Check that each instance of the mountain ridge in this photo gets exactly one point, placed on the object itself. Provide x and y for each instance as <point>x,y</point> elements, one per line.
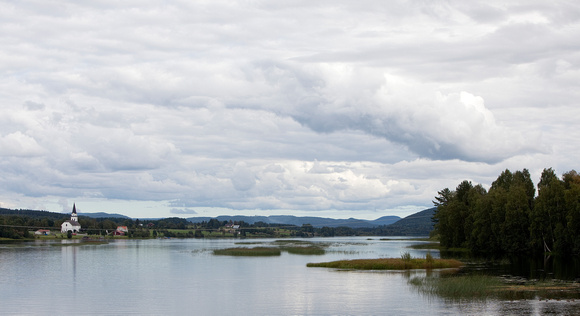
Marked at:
<point>301,220</point>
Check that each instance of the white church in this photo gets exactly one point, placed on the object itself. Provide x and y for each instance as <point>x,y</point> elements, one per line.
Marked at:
<point>72,224</point>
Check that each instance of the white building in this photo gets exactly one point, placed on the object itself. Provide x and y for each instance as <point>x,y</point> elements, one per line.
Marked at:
<point>72,224</point>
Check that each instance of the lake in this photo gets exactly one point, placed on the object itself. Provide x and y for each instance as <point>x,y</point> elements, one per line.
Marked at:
<point>183,276</point>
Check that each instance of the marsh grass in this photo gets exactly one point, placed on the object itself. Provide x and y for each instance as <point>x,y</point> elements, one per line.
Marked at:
<point>407,260</point>
<point>429,260</point>
<point>457,287</point>
<point>406,239</point>
<point>78,244</point>
<point>389,264</point>
<point>308,250</point>
<point>430,245</point>
<point>482,287</point>
<point>292,241</point>
<point>243,251</point>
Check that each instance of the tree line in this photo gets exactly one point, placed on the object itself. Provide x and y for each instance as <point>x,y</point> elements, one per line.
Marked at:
<point>510,218</point>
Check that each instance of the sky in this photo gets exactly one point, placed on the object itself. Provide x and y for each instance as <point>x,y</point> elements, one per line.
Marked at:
<point>310,108</point>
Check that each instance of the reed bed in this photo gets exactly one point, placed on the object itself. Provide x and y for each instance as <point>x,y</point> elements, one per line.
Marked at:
<point>430,245</point>
<point>292,241</point>
<point>478,286</point>
<point>244,251</point>
<point>308,250</point>
<point>403,263</point>
<point>456,287</point>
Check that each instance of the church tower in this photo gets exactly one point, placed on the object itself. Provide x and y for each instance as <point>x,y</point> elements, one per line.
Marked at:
<point>73,216</point>
<point>72,224</point>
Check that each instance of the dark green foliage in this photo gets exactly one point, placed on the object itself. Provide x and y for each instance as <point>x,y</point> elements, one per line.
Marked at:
<point>509,218</point>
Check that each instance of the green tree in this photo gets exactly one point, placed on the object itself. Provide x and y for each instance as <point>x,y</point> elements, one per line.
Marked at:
<point>572,197</point>
<point>549,213</point>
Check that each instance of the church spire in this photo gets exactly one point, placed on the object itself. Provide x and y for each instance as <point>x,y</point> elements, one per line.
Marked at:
<point>73,216</point>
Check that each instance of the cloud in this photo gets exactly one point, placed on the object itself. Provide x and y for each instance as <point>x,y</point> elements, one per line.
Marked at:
<point>183,211</point>
<point>33,106</point>
<point>19,145</point>
<point>333,105</point>
<point>431,124</point>
<point>243,178</point>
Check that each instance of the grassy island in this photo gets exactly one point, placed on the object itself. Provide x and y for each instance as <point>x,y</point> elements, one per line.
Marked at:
<point>308,250</point>
<point>390,264</point>
<point>244,251</point>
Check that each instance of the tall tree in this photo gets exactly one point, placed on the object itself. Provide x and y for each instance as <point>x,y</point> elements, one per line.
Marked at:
<point>549,213</point>
<point>572,197</point>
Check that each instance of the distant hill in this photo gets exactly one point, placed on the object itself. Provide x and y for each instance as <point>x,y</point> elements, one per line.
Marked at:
<point>301,220</point>
<point>386,220</point>
<point>34,213</point>
<point>418,224</point>
<point>104,215</point>
<point>55,215</point>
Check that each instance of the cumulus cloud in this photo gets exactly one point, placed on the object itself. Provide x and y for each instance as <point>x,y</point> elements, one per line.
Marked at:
<point>18,144</point>
<point>333,105</point>
<point>183,211</point>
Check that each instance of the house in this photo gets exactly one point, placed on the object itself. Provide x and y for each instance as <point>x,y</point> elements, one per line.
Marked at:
<point>44,232</point>
<point>72,224</point>
<point>121,230</point>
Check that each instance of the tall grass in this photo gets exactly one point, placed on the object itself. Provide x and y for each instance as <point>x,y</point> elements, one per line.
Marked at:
<point>407,260</point>
<point>456,287</point>
<point>243,251</point>
<point>309,250</point>
<point>429,260</point>
<point>388,264</point>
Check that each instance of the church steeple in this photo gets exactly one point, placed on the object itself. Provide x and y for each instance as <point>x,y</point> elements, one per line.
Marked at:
<point>73,216</point>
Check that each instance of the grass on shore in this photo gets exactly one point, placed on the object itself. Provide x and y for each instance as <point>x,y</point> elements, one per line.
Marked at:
<point>244,251</point>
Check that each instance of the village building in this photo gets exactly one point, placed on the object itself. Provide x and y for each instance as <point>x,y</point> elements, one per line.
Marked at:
<point>44,232</point>
<point>72,224</point>
<point>121,231</point>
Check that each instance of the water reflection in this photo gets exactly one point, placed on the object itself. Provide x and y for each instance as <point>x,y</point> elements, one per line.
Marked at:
<point>166,277</point>
<point>69,262</point>
<point>535,268</point>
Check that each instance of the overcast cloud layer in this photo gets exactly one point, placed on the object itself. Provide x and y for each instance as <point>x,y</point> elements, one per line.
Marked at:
<point>328,108</point>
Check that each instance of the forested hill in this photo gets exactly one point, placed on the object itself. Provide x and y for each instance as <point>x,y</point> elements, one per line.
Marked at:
<point>34,214</point>
<point>56,216</point>
<point>301,220</point>
<point>418,224</point>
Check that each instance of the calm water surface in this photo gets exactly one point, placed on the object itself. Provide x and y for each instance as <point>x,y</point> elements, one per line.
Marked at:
<point>182,276</point>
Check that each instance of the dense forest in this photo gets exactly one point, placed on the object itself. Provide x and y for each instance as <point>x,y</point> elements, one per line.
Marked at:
<point>510,217</point>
